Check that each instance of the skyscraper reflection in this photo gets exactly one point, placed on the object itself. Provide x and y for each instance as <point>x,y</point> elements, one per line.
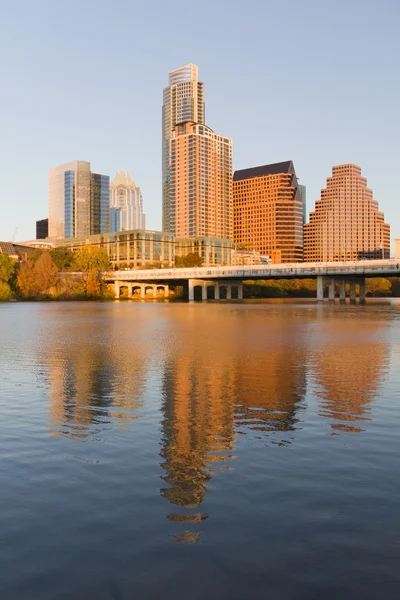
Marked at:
<point>348,369</point>
<point>93,382</point>
<point>214,387</point>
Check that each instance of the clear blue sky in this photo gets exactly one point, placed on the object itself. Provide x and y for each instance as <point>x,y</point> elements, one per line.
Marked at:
<point>314,81</point>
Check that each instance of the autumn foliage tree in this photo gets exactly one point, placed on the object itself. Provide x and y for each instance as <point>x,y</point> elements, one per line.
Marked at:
<point>37,279</point>
<point>26,283</point>
<point>190,260</point>
<point>45,272</point>
<point>7,269</point>
<point>88,258</point>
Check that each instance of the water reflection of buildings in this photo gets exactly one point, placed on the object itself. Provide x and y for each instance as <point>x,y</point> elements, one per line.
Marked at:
<point>198,426</point>
<point>93,383</point>
<point>269,389</point>
<point>348,370</point>
<point>210,391</point>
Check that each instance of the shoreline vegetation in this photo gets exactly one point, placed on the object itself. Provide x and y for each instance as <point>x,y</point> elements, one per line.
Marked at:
<point>60,274</point>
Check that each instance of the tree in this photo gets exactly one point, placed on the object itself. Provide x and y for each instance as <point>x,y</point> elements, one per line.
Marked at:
<point>93,284</point>
<point>34,256</point>
<point>62,257</point>
<point>87,258</point>
<point>26,281</point>
<point>45,272</point>
<point>5,291</point>
<point>378,287</point>
<point>70,286</point>
<point>190,260</point>
<point>7,267</point>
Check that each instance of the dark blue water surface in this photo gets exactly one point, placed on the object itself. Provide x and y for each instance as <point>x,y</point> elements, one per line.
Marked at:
<point>161,450</point>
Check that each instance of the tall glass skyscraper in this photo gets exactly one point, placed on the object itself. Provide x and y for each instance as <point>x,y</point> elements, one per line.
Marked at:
<point>197,162</point>
<point>78,201</point>
<point>99,203</point>
<point>126,204</point>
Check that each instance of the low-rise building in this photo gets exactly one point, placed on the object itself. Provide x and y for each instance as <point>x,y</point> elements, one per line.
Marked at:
<point>141,248</point>
<point>249,257</point>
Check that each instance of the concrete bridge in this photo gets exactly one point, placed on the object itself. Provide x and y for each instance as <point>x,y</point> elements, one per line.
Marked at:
<point>230,278</point>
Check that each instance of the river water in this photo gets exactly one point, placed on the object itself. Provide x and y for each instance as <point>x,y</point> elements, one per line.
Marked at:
<point>227,451</point>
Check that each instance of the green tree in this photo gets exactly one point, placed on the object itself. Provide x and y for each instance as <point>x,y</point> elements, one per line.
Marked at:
<point>87,258</point>
<point>7,267</point>
<point>62,257</point>
<point>70,286</point>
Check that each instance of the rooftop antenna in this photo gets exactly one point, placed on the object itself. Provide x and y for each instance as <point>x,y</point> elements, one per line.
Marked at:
<point>14,234</point>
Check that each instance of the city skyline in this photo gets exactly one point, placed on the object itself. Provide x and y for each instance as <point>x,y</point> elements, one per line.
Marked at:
<point>316,129</point>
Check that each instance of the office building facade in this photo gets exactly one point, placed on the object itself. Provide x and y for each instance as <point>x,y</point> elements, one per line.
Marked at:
<point>346,223</point>
<point>268,212</point>
<point>143,248</point>
<point>42,229</point>
<point>78,200</point>
<point>126,204</point>
<point>197,163</point>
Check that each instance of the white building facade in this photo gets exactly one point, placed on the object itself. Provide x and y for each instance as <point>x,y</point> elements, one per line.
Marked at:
<point>126,204</point>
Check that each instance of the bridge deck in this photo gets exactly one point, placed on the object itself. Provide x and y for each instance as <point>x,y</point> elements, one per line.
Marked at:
<point>367,268</point>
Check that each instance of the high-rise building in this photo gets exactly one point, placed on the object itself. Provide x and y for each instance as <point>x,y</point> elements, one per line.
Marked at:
<point>42,229</point>
<point>303,195</point>
<point>346,223</point>
<point>78,201</point>
<point>197,163</point>
<point>268,211</point>
<point>126,204</point>
<point>99,203</point>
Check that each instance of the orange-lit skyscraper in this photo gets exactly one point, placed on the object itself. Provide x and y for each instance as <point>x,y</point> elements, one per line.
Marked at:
<point>268,211</point>
<point>197,163</point>
<point>346,223</point>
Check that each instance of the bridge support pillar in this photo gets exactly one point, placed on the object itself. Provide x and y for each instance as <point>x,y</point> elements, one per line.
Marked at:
<point>143,292</point>
<point>332,291</point>
<point>116,287</point>
<point>362,291</point>
<point>353,292</point>
<point>191,289</point>
<point>343,292</point>
<point>130,285</point>
<point>166,291</point>
<point>216,290</point>
<point>228,291</point>
<point>320,288</point>
<point>204,292</point>
<point>240,291</point>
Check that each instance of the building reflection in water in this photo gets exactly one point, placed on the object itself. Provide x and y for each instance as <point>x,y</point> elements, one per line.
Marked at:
<point>222,372</point>
<point>214,387</point>
<point>348,369</point>
<point>94,382</point>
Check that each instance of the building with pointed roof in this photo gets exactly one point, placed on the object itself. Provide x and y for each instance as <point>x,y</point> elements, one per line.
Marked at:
<point>126,204</point>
